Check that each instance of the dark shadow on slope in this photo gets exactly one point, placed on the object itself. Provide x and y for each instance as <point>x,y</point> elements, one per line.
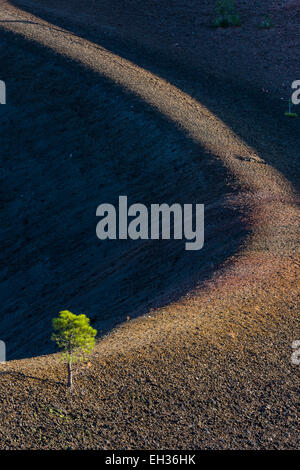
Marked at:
<point>71,140</point>
<point>29,22</point>
<point>21,376</point>
<point>256,117</point>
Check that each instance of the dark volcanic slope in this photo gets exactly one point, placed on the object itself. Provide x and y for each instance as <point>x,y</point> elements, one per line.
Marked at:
<point>92,142</point>
<point>71,141</point>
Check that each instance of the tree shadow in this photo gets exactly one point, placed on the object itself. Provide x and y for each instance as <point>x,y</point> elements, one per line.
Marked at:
<point>30,22</point>
<point>20,375</point>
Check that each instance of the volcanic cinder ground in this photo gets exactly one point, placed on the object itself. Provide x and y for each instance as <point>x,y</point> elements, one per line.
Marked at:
<point>145,99</point>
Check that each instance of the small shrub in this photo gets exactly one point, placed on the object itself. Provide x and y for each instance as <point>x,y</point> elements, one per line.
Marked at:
<point>226,14</point>
<point>58,413</point>
<point>290,113</point>
<point>266,23</point>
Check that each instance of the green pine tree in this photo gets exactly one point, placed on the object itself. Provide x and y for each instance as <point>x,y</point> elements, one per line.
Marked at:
<point>75,337</point>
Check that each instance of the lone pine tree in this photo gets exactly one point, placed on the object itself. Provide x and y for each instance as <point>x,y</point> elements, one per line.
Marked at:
<point>75,337</point>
